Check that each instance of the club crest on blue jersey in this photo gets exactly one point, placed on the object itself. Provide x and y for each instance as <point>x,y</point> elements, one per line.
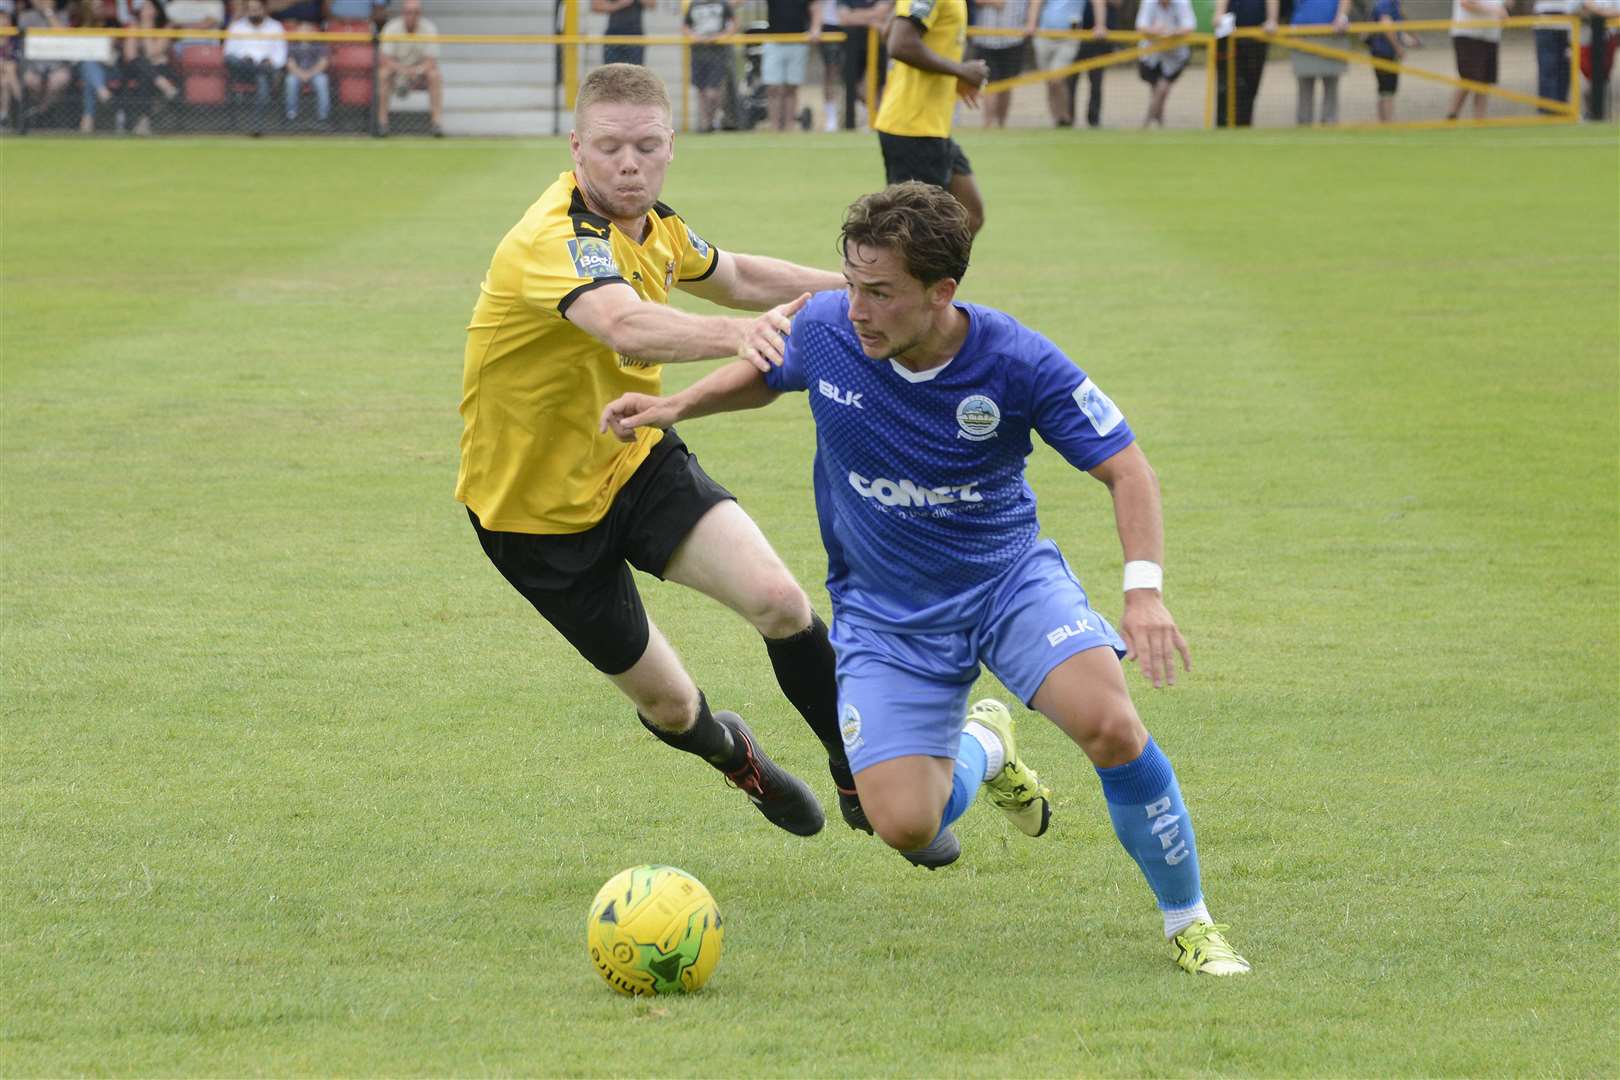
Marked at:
<point>850,727</point>
<point>1099,409</point>
<point>977,417</point>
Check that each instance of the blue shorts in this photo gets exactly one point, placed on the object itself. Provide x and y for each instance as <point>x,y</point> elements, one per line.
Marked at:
<point>903,694</point>
<point>783,63</point>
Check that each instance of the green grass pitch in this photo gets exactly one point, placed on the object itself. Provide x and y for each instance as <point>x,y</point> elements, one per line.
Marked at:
<point>292,783</point>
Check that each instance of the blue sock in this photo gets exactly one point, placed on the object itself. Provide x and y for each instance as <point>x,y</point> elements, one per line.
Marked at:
<point>1144,801</point>
<point>965,778</point>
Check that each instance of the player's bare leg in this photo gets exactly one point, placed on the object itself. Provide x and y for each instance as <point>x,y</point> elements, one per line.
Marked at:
<point>966,190</point>
<point>726,558</point>
<point>670,705</point>
<point>659,686</point>
<point>905,798</point>
<point>1086,696</point>
<point>913,792</point>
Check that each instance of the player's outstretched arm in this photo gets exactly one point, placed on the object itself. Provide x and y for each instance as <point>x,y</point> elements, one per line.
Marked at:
<point>1150,633</point>
<point>905,44</point>
<point>730,389</point>
<point>756,282</point>
<point>631,326</point>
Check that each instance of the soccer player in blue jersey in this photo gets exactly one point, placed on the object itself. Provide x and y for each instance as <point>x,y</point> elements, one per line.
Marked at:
<point>924,406</point>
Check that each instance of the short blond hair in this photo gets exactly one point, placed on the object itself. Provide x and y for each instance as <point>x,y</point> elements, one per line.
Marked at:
<point>620,84</point>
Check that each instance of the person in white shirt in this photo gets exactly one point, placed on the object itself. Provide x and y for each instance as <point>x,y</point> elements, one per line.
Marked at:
<point>1157,20</point>
<point>257,59</point>
<point>1476,48</point>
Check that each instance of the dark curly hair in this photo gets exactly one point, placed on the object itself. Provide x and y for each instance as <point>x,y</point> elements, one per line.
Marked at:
<point>925,224</point>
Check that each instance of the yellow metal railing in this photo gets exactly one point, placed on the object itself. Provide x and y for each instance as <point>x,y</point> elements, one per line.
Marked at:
<point>1288,37</point>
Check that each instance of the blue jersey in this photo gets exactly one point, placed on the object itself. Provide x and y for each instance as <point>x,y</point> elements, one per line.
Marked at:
<point>919,477</point>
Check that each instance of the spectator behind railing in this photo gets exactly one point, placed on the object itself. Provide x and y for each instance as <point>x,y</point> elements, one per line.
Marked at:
<point>93,74</point>
<point>292,12</point>
<point>307,62</point>
<point>1391,45</point>
<point>705,21</point>
<point>411,65</point>
<point>195,15</point>
<point>1003,52</point>
<point>10,82</point>
<point>1247,57</point>
<point>862,20</point>
<point>1477,48</point>
<point>832,65</point>
<point>148,79</point>
<point>372,11</point>
<point>256,60</point>
<point>624,20</point>
<point>783,63</point>
<point>42,80</point>
<point>1308,67</point>
<point>1155,20</point>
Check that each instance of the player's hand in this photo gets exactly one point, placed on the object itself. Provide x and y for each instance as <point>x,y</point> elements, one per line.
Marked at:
<point>970,85</point>
<point>624,415</point>
<point>1151,637</point>
<point>1340,22</point>
<point>1269,26</point>
<point>1099,32</point>
<point>766,338</point>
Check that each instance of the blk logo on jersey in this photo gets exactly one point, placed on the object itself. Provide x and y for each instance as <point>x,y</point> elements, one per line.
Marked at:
<point>910,493</point>
<point>843,397</point>
<point>977,417</point>
<point>1064,633</point>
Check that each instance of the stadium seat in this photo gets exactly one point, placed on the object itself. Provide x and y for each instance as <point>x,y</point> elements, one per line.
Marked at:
<point>351,60</point>
<point>205,89</point>
<point>355,90</point>
<point>202,60</point>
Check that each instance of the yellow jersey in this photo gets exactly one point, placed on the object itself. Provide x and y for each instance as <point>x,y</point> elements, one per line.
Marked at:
<point>918,102</point>
<point>534,385</point>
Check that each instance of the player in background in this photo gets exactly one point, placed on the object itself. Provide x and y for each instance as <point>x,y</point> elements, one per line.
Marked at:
<point>926,76</point>
<point>924,407</point>
<point>572,314</point>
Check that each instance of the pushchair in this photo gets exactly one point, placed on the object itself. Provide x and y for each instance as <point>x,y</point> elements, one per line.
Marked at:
<point>744,107</point>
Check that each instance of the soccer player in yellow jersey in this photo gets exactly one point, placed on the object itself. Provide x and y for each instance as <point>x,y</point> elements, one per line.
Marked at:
<point>925,41</point>
<point>573,314</point>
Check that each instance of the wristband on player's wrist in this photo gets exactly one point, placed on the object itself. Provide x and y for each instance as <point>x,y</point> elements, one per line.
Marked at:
<point>1141,574</point>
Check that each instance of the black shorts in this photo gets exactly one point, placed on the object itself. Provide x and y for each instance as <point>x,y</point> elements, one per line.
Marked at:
<point>1388,82</point>
<point>709,64</point>
<point>1003,63</point>
<point>832,52</point>
<point>916,157</point>
<point>1476,58</point>
<point>581,582</point>
<point>1154,74</point>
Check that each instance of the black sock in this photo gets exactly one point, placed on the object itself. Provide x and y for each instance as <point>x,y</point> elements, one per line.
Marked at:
<point>807,672</point>
<point>707,738</point>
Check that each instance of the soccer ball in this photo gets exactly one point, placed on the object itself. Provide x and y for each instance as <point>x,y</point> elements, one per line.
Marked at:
<point>654,930</point>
